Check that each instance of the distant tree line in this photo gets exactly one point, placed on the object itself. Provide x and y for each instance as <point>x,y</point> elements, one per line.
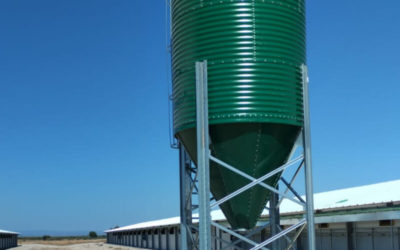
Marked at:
<point>92,234</point>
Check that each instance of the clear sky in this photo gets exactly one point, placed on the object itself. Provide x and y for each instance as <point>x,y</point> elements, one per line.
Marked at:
<point>84,139</point>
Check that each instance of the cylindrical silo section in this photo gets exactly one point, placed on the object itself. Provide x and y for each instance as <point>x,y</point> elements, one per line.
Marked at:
<point>254,50</point>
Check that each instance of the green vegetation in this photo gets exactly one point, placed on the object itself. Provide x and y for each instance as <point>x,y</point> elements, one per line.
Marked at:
<point>92,234</point>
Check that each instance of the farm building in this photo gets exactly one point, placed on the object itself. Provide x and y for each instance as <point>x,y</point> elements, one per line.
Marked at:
<point>358,218</point>
<point>8,239</point>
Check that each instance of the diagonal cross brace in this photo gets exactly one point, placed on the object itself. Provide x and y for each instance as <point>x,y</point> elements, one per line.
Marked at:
<point>289,186</point>
<point>251,233</point>
<point>255,181</point>
<point>235,234</point>
<point>292,180</point>
<point>280,234</point>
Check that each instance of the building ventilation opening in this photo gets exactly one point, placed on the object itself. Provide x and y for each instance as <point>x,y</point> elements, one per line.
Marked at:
<point>385,223</point>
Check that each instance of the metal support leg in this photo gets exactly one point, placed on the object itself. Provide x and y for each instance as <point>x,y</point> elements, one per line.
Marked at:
<point>308,163</point>
<point>274,218</point>
<point>203,162</point>
<point>185,198</point>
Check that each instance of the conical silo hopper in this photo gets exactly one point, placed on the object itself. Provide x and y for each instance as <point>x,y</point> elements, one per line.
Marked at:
<point>254,51</point>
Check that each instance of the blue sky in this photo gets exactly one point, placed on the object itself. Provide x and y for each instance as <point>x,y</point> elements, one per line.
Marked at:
<point>84,139</point>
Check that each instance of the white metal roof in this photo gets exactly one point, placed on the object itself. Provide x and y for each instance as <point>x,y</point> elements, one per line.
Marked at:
<point>383,192</point>
<point>367,195</point>
<point>7,232</point>
<point>363,195</point>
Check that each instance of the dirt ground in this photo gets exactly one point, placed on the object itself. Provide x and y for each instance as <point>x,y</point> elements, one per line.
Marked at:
<point>59,242</point>
<point>72,246</point>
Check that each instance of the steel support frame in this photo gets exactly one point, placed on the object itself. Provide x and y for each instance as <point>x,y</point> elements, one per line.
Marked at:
<point>190,176</point>
<point>203,155</point>
<point>307,161</point>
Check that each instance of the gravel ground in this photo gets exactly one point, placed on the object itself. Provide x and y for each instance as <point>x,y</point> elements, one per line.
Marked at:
<point>74,247</point>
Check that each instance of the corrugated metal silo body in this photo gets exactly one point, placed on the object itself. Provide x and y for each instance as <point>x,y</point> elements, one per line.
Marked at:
<point>254,51</point>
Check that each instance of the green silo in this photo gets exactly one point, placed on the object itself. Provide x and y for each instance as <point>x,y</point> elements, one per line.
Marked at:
<point>254,50</point>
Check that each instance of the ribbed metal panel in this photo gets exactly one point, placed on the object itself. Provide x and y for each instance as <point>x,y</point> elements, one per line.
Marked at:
<point>254,50</point>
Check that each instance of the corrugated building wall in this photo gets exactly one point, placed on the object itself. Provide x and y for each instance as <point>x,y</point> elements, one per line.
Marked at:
<point>8,239</point>
<point>359,218</point>
<point>368,235</point>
